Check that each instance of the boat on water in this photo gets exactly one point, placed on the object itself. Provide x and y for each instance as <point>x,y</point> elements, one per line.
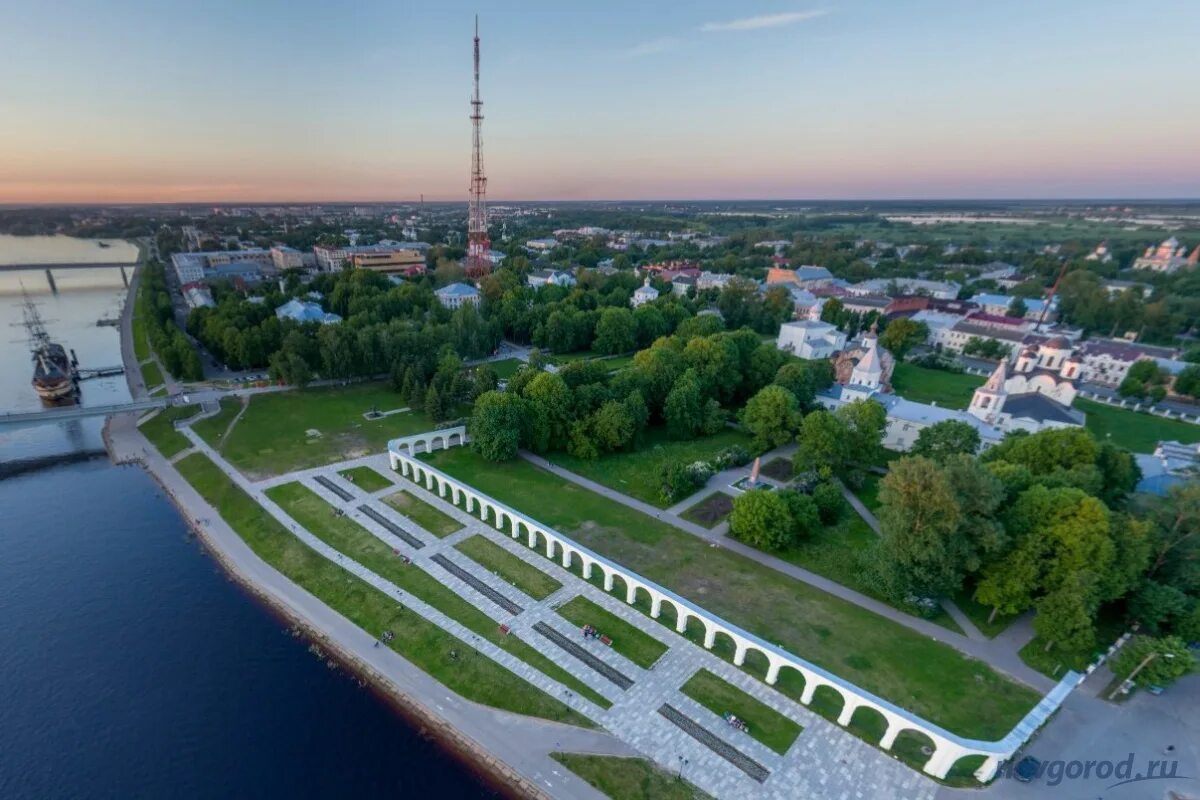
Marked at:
<point>54,377</point>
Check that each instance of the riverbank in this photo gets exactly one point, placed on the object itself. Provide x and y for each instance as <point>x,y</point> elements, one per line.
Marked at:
<point>513,751</point>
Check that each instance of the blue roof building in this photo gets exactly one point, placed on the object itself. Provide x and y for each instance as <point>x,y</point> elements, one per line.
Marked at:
<point>301,311</point>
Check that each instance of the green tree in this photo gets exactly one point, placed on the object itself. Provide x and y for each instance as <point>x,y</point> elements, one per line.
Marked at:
<point>946,438</point>
<point>919,519</point>
<point>613,427</point>
<point>1187,382</point>
<point>1017,308</point>
<point>761,519</point>
<point>823,445</point>
<point>804,379</point>
<point>1010,586</point>
<point>434,406</point>
<point>830,502</point>
<point>616,331</point>
<point>773,416</point>
<point>550,411</point>
<point>1157,605</point>
<point>803,510</point>
<point>1065,618</point>
<point>865,422</point>
<point>902,334</point>
<point>684,408</point>
<point>495,426</point>
<point>1169,659</point>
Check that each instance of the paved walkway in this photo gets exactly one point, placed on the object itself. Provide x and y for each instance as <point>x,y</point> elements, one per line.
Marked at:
<point>521,742</point>
<point>999,655</point>
<point>825,762</point>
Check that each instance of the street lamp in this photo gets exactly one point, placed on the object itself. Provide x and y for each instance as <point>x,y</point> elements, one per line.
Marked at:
<point>1127,684</point>
<point>682,763</point>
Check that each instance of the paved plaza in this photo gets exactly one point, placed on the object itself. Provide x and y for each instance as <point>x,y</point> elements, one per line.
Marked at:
<point>648,711</point>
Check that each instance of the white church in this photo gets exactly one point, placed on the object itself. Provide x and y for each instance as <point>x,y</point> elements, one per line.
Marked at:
<point>1036,395</point>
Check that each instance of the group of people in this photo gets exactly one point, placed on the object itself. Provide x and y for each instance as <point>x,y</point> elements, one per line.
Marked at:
<point>590,632</point>
<point>734,722</point>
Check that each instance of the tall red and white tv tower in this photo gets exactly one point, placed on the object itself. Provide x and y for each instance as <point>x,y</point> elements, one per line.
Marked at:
<point>478,243</point>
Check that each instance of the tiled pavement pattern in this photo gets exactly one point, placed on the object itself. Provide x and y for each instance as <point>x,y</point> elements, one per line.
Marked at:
<point>332,486</point>
<point>824,762</point>
<point>391,527</point>
<point>477,584</point>
<point>568,644</point>
<point>698,732</point>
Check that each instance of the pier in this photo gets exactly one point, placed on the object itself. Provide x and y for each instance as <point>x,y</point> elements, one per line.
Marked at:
<point>52,268</point>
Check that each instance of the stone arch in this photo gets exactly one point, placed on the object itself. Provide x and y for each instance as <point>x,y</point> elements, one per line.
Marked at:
<point>826,701</point>
<point>615,583</point>
<point>967,766</point>
<point>910,747</point>
<point>434,440</point>
<point>757,662</point>
<point>720,642</point>
<point>450,440</point>
<point>787,679</point>
<point>520,528</point>
<point>868,723</point>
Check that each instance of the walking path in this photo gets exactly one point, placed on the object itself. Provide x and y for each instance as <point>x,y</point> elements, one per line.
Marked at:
<point>825,761</point>
<point>999,655</point>
<point>523,743</point>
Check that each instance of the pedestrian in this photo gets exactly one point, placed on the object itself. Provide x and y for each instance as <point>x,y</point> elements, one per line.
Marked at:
<point>1169,749</point>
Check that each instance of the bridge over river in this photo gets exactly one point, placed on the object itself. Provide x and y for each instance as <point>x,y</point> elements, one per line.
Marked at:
<point>51,268</point>
<point>25,419</point>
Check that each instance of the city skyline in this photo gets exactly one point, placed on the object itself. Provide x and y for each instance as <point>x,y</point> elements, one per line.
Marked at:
<point>852,100</point>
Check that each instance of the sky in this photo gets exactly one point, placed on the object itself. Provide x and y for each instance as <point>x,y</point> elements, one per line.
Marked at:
<point>305,100</point>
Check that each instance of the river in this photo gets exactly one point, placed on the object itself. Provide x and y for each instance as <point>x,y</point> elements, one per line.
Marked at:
<point>129,664</point>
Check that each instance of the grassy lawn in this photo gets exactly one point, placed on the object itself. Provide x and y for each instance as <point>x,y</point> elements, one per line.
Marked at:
<point>618,362</point>
<point>924,385</point>
<point>1132,429</point>
<point>160,430</point>
<point>141,343</point>
<point>631,642</point>
<point>720,697</point>
<point>151,375</point>
<point>423,514</point>
<point>472,675</point>
<point>628,778</point>
<point>506,368</point>
<point>869,493</point>
<point>520,573</point>
<point>636,473</point>
<point>366,479</point>
<point>917,673</point>
<point>778,468</point>
<point>272,437</point>
<point>210,429</point>
<point>837,552</point>
<point>567,358</point>
<point>979,613</point>
<point>710,511</point>
<point>1056,661</point>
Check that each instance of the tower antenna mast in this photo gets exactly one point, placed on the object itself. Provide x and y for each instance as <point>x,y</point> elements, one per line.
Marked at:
<point>478,244</point>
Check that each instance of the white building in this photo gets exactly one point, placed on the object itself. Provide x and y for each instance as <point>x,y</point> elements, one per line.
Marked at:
<point>713,280</point>
<point>542,245</point>
<point>810,339</point>
<point>805,304</point>
<point>1038,392</point>
<point>942,290</point>
<point>550,277</point>
<point>682,284</point>
<point>331,258</point>
<point>197,295</point>
<point>998,305</point>
<point>644,294</point>
<point>1107,362</point>
<point>1115,288</point>
<point>1170,256</point>
<point>1101,254</point>
<point>455,295</point>
<point>284,257</point>
<point>1009,331</point>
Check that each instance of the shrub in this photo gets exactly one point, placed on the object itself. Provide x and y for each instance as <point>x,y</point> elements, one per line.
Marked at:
<point>829,500</point>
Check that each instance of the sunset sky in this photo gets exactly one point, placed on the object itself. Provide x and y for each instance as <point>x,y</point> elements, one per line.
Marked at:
<point>177,100</point>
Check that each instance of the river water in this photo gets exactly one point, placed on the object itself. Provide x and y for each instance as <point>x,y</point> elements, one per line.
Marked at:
<point>130,666</point>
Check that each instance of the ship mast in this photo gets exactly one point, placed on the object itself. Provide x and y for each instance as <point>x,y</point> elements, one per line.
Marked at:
<point>35,326</point>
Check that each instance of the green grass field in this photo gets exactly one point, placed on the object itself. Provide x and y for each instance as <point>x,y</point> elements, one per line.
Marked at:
<point>1055,661</point>
<point>869,492</point>
<point>629,778</point>
<point>924,385</point>
<point>979,613</point>
<point>471,674</point>
<point>506,368</point>
<point>211,429</point>
<point>520,573</point>
<point>922,675</point>
<point>151,375</point>
<point>366,479</point>
<point>141,342</point>
<point>636,473</point>
<point>423,514</point>
<point>711,511</point>
<point>1138,432</point>
<point>628,640</point>
<point>721,697</point>
<point>272,436</point>
<point>160,430</point>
